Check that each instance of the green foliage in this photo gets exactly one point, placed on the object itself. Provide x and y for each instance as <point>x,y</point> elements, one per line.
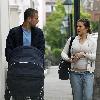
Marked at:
<point>85,15</point>
<point>56,52</point>
<point>53,56</point>
<point>56,56</point>
<point>94,26</point>
<point>52,28</point>
<point>53,36</point>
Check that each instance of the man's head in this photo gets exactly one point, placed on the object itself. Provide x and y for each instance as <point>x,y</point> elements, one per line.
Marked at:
<point>31,16</point>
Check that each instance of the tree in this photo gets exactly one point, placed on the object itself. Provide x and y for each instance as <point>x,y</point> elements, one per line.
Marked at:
<point>54,39</point>
<point>52,28</point>
<point>95,26</point>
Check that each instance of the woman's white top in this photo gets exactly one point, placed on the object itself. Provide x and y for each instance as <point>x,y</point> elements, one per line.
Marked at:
<point>89,47</point>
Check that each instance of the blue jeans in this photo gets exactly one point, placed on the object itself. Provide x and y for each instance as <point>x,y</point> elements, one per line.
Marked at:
<point>82,85</point>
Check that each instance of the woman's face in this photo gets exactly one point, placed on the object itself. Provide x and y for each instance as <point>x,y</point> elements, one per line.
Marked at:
<point>81,29</point>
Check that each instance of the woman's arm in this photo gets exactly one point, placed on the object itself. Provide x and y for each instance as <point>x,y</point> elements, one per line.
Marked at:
<point>64,53</point>
<point>91,55</point>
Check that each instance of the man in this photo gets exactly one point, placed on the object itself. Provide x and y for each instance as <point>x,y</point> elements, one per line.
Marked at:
<point>26,34</point>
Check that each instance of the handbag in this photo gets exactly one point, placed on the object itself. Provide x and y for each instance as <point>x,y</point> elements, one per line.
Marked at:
<point>65,66</point>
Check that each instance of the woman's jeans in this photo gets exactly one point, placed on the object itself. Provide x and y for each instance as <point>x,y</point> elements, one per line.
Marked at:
<point>82,85</point>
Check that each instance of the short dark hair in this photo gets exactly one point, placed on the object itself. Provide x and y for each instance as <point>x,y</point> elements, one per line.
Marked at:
<point>86,23</point>
<point>29,12</point>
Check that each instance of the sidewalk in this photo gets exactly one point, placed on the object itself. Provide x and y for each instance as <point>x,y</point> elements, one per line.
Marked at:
<point>54,88</point>
<point>45,71</point>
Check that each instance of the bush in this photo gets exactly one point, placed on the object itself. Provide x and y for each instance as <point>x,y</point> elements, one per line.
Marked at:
<point>52,57</point>
<point>56,53</point>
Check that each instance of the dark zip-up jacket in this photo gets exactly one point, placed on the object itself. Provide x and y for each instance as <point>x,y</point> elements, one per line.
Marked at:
<point>15,39</point>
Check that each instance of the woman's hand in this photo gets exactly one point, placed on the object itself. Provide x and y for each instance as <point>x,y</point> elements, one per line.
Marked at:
<point>77,56</point>
<point>80,55</point>
<point>74,58</point>
<point>70,60</point>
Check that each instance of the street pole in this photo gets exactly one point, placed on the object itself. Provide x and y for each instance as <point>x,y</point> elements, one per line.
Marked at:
<point>68,8</point>
<point>71,25</point>
<point>76,13</point>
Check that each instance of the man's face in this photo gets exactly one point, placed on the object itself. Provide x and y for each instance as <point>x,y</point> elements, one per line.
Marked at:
<point>33,20</point>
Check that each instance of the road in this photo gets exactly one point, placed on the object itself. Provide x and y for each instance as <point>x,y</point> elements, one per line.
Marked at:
<point>54,88</point>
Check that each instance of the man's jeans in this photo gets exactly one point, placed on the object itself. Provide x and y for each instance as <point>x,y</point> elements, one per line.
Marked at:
<point>82,85</point>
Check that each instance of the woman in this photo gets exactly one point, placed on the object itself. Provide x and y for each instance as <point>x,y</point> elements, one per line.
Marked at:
<point>83,55</point>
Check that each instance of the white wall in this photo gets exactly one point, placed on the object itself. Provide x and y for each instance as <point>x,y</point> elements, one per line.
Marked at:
<point>17,8</point>
<point>42,13</point>
<point>14,16</point>
<point>36,4</point>
<point>24,4</point>
<point>4,28</point>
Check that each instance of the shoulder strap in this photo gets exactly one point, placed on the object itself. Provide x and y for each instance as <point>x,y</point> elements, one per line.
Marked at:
<point>69,53</point>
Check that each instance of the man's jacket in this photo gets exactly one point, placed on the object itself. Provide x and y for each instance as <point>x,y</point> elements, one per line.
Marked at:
<point>15,39</point>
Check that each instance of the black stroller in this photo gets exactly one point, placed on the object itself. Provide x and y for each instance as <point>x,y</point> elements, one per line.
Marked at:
<point>25,76</point>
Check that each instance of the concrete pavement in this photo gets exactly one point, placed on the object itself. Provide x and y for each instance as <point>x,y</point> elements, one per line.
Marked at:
<point>56,89</point>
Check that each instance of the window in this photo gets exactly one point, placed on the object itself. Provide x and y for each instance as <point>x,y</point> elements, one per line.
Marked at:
<point>48,8</point>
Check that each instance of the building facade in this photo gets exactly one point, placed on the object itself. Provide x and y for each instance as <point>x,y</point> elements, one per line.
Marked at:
<point>4,28</point>
<point>93,7</point>
<point>96,11</point>
<point>17,8</point>
<point>50,6</point>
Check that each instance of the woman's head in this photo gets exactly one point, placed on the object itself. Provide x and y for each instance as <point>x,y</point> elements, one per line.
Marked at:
<point>83,26</point>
